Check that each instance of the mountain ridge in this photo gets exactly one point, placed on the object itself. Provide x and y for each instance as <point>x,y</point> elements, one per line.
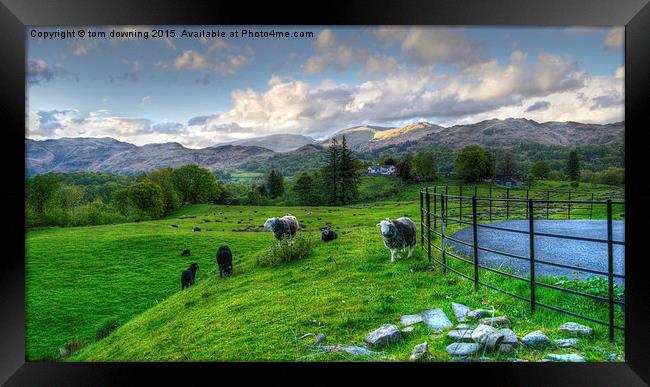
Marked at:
<point>105,154</point>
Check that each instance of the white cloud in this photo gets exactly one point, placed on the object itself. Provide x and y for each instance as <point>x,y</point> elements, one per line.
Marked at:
<point>190,59</point>
<point>330,52</point>
<point>145,100</point>
<point>614,38</point>
<point>620,72</point>
<point>430,45</point>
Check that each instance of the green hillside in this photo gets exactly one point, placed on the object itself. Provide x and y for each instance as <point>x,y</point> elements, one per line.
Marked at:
<point>79,277</point>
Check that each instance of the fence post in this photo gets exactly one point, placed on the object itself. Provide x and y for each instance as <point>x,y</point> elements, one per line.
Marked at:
<point>568,214</point>
<point>460,202</point>
<point>443,206</point>
<point>548,195</point>
<point>507,203</point>
<point>435,202</point>
<point>591,208</point>
<point>490,201</point>
<point>610,270</point>
<point>531,234</point>
<point>527,197</point>
<point>428,225</point>
<point>475,240</point>
<point>443,209</point>
<point>422,218</point>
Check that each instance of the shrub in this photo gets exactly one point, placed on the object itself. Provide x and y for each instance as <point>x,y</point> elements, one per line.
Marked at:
<point>598,286</point>
<point>286,251</point>
<point>73,345</point>
<point>106,328</point>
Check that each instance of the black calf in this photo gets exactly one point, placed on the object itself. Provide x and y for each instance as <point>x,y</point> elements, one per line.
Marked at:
<point>224,260</point>
<point>185,253</point>
<point>187,277</point>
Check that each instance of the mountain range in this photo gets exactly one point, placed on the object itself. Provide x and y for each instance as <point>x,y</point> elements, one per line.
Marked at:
<point>110,155</point>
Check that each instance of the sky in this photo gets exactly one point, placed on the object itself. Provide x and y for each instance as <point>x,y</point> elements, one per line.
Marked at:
<point>202,90</point>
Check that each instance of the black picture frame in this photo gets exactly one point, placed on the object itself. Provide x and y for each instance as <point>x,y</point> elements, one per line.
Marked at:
<point>15,15</point>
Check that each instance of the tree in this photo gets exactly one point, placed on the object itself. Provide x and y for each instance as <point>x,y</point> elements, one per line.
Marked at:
<point>164,178</point>
<point>349,175</point>
<point>307,189</point>
<point>540,170</point>
<point>389,161</point>
<point>195,184</point>
<point>404,168</point>
<point>425,165</point>
<point>274,184</point>
<point>473,163</point>
<point>70,196</point>
<point>40,190</point>
<point>573,166</point>
<point>147,197</point>
<point>507,165</point>
<point>331,173</point>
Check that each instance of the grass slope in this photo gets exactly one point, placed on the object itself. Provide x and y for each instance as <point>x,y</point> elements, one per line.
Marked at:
<point>78,277</point>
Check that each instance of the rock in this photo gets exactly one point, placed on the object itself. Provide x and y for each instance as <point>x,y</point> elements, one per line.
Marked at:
<point>408,329</point>
<point>410,319</point>
<point>535,339</point>
<point>460,311</point>
<point>418,351</point>
<point>349,349</point>
<point>566,357</point>
<point>566,343</point>
<point>461,335</point>
<point>478,313</point>
<point>502,321</point>
<point>509,337</point>
<point>320,338</point>
<point>462,349</point>
<point>483,358</point>
<point>436,319</point>
<point>517,360</point>
<point>63,352</point>
<point>463,326</point>
<point>506,349</point>
<point>576,329</point>
<point>487,335</point>
<point>383,336</point>
<point>615,357</point>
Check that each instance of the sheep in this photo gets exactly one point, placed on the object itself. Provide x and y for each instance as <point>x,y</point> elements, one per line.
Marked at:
<point>187,277</point>
<point>196,229</point>
<point>185,253</point>
<point>327,234</point>
<point>224,260</point>
<point>398,234</point>
<point>286,225</point>
<point>175,225</point>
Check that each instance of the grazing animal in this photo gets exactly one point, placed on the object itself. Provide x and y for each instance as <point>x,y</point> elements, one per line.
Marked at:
<point>185,253</point>
<point>187,277</point>
<point>398,234</point>
<point>224,260</point>
<point>286,225</point>
<point>196,229</point>
<point>327,234</point>
<point>174,225</point>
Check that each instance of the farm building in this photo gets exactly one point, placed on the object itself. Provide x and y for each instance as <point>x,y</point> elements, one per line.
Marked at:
<point>381,170</point>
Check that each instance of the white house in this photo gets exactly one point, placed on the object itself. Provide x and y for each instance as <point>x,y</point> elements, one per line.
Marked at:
<point>381,170</point>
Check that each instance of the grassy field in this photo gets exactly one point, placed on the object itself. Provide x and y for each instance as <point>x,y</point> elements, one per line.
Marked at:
<point>79,277</point>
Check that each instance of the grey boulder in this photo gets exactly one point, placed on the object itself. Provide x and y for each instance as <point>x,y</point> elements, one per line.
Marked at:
<point>566,357</point>
<point>419,351</point>
<point>462,349</point>
<point>460,311</point>
<point>535,339</point>
<point>436,319</point>
<point>576,329</point>
<point>384,336</point>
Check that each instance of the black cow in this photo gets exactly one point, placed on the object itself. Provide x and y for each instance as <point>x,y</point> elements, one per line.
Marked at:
<point>224,260</point>
<point>187,277</point>
<point>185,253</point>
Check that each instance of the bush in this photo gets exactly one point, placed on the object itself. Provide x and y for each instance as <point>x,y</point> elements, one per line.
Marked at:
<point>106,328</point>
<point>286,251</point>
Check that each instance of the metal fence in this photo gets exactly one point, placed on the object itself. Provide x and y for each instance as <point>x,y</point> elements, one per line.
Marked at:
<point>497,204</point>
